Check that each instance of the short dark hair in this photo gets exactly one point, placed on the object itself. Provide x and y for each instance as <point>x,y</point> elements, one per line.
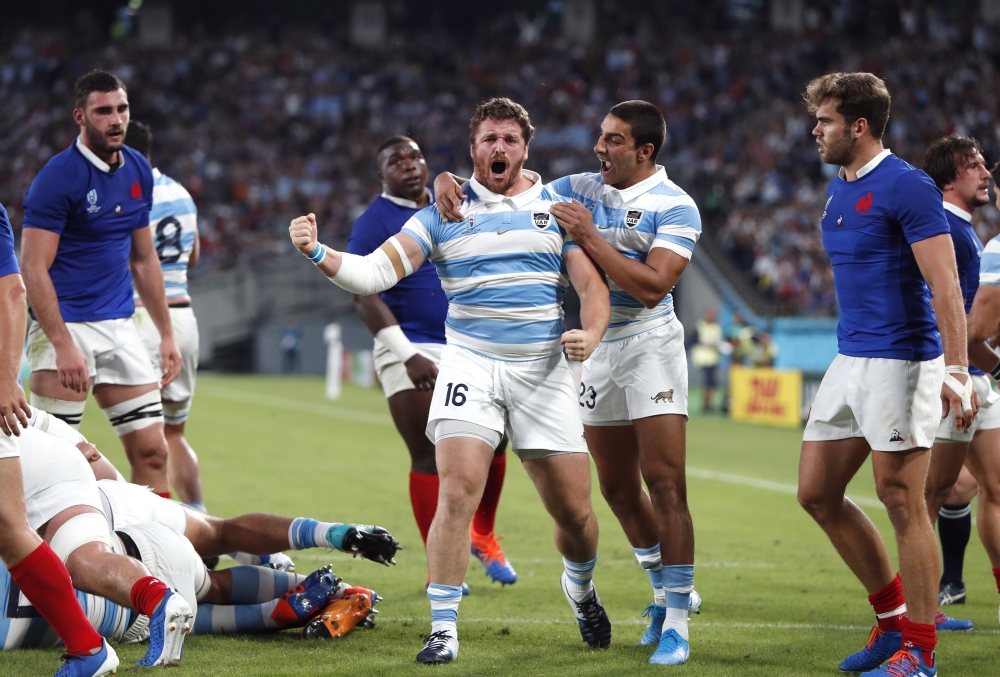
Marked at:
<point>995,173</point>
<point>501,108</point>
<point>96,81</point>
<point>393,140</point>
<point>859,95</point>
<point>140,137</point>
<point>645,121</point>
<point>940,160</point>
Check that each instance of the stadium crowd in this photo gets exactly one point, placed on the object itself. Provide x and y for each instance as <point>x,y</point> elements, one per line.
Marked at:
<point>260,125</point>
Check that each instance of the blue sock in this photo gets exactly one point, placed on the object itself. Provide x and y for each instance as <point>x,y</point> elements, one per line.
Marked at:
<point>580,576</point>
<point>649,558</point>
<point>678,582</point>
<point>197,505</point>
<point>444,606</point>
<point>254,585</point>
<point>308,533</point>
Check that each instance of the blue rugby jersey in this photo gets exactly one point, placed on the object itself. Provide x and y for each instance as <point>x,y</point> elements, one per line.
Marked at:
<point>174,223</point>
<point>94,209</point>
<point>8,259</point>
<point>968,251</point>
<point>653,213</point>
<point>502,269</point>
<point>417,301</point>
<point>868,227</point>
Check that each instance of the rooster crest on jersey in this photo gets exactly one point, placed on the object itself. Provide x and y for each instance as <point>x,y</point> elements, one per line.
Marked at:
<point>864,204</point>
<point>540,219</point>
<point>633,217</point>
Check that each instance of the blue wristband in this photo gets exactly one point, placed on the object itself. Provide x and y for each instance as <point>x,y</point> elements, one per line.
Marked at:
<point>318,254</point>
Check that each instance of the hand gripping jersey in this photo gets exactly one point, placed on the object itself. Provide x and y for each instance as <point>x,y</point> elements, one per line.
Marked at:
<point>93,208</point>
<point>868,227</point>
<point>653,213</point>
<point>502,269</point>
<point>174,222</point>
<point>968,252</point>
<point>8,260</point>
<point>417,301</point>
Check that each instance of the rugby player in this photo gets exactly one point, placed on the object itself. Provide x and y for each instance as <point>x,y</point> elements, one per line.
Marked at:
<point>408,324</point>
<point>86,226</point>
<point>633,395</point>
<point>954,529</point>
<point>985,467</point>
<point>504,269</point>
<point>885,231</point>
<point>957,166</point>
<point>34,567</point>
<point>174,224</point>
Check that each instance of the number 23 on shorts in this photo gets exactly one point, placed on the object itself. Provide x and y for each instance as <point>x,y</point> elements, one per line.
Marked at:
<point>585,393</point>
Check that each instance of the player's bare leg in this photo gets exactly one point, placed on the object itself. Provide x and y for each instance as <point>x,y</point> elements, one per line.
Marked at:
<point>17,538</point>
<point>182,465</point>
<point>825,468</point>
<point>563,483</point>
<point>146,449</point>
<point>409,412</point>
<point>615,451</point>
<point>983,462</point>
<point>899,481</point>
<point>662,452</point>
<point>945,465</point>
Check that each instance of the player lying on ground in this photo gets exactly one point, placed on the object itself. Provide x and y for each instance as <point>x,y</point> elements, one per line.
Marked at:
<point>505,269</point>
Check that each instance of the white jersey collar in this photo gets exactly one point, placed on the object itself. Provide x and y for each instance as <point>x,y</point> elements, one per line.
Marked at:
<point>402,201</point>
<point>626,195</point>
<point>156,173</point>
<point>96,161</point>
<point>958,211</point>
<point>870,166</point>
<point>518,201</point>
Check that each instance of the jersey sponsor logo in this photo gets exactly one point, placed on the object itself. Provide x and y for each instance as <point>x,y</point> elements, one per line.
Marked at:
<point>92,199</point>
<point>864,204</point>
<point>895,437</point>
<point>665,396</point>
<point>633,217</point>
<point>137,190</point>
<point>540,219</point>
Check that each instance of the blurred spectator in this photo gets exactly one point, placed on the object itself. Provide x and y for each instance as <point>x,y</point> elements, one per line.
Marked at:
<point>707,353</point>
<point>764,350</point>
<point>291,344</point>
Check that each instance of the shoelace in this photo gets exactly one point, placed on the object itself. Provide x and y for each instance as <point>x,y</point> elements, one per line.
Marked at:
<point>940,618</point>
<point>901,664</point>
<point>437,640</point>
<point>873,636</point>
<point>649,611</point>
<point>590,609</point>
<point>489,547</point>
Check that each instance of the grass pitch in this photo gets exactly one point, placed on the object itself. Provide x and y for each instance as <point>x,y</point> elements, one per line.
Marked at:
<point>777,598</point>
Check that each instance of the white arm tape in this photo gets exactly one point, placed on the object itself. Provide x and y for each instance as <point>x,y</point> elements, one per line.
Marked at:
<point>963,390</point>
<point>407,266</point>
<point>393,338</point>
<point>365,275</point>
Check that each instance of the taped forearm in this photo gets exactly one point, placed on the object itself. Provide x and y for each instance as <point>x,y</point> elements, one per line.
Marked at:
<point>374,273</point>
<point>393,338</point>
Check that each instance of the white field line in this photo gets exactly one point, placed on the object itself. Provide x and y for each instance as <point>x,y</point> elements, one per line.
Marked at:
<point>220,392</point>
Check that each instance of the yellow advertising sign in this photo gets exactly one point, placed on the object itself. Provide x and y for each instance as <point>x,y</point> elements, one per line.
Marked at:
<point>769,396</point>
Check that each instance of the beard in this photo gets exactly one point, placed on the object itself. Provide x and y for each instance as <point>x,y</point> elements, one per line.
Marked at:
<point>979,201</point>
<point>483,174</point>
<point>98,140</point>
<point>841,151</point>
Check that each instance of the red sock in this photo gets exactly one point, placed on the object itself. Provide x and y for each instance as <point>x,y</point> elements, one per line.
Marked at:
<point>486,513</point>
<point>890,606</point>
<point>146,595</point>
<point>923,636</point>
<point>165,494</point>
<point>43,579</point>
<point>424,499</point>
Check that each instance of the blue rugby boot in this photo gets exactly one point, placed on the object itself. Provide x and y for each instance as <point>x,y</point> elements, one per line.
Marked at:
<point>948,624</point>
<point>101,664</point>
<point>905,664</point>
<point>656,616</point>
<point>487,550</point>
<point>880,648</point>
<point>168,626</point>
<point>300,604</point>
<point>672,650</point>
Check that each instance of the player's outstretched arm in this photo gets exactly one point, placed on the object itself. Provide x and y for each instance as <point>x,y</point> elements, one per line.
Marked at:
<point>398,257</point>
<point>935,257</point>
<point>148,277</point>
<point>14,411</point>
<point>38,251</point>
<point>648,282</point>
<point>595,306</point>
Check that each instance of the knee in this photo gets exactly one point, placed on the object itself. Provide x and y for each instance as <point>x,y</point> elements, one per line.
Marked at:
<point>575,519</point>
<point>422,458</point>
<point>152,455</point>
<point>621,497</point>
<point>668,492</point>
<point>902,505</point>
<point>458,495</point>
<point>820,506</point>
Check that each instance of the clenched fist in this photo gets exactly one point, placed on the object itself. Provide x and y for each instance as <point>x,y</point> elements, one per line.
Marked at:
<point>303,233</point>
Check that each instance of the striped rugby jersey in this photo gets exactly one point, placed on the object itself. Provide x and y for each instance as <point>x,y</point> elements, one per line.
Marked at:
<point>502,269</point>
<point>989,264</point>
<point>174,223</point>
<point>653,213</point>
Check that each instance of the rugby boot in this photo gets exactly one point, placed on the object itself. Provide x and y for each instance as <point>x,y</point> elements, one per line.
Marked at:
<point>341,616</point>
<point>672,649</point>
<point>486,549</point>
<point>948,624</point>
<point>880,647</point>
<point>439,648</point>
<point>656,616</point>
<point>595,627</point>
<point>168,626</point>
<point>310,597</point>
<point>101,664</point>
<point>951,593</point>
<point>905,664</point>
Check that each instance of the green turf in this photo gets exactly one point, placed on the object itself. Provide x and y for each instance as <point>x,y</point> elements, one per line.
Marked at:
<point>778,599</point>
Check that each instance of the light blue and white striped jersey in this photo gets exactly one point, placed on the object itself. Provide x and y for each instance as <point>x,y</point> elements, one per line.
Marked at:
<point>989,264</point>
<point>502,269</point>
<point>653,213</point>
<point>174,222</point>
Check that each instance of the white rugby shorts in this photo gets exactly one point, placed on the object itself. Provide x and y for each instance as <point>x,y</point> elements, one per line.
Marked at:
<point>894,404</point>
<point>55,475</point>
<point>988,417</point>
<point>635,377</point>
<point>113,350</point>
<point>535,401</point>
<point>185,326</point>
<point>126,504</point>
<point>392,373</point>
<point>9,447</point>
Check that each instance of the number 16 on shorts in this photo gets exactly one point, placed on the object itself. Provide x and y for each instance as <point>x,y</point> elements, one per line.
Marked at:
<point>455,397</point>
